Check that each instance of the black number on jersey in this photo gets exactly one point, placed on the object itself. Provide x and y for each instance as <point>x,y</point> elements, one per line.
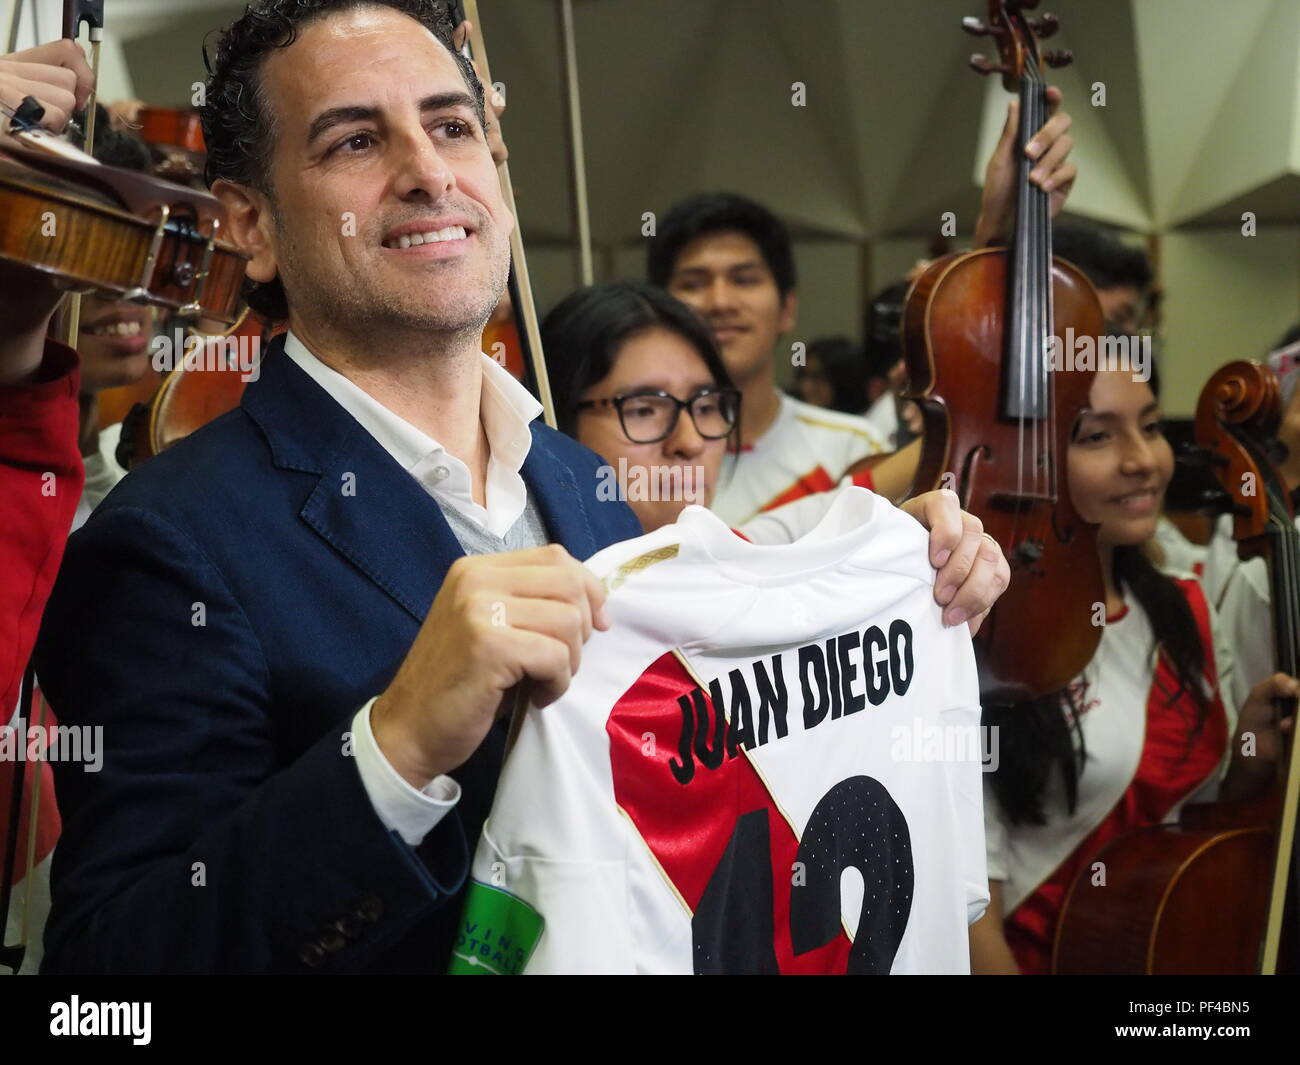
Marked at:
<point>855,825</point>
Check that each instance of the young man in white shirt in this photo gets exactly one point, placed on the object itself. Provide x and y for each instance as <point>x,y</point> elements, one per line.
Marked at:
<point>732,260</point>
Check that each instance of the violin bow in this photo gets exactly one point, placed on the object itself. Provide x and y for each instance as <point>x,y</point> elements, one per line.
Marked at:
<point>521,291</point>
<point>75,12</point>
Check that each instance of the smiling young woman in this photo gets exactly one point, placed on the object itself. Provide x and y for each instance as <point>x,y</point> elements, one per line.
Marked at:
<point>1145,727</point>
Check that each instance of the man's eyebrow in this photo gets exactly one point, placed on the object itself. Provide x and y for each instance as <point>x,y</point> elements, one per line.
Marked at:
<point>335,116</point>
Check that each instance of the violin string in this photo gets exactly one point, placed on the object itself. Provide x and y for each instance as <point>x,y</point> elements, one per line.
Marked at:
<point>1049,327</point>
<point>1021,301</point>
<point>1040,277</point>
<point>1037,310</point>
<point>1288,592</point>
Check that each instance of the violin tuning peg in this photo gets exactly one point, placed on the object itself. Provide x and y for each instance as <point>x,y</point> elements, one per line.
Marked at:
<point>1059,58</point>
<point>975,27</point>
<point>1045,26</point>
<point>982,64</point>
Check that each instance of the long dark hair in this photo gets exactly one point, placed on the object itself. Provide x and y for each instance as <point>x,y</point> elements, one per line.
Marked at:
<point>1037,735</point>
<point>583,334</point>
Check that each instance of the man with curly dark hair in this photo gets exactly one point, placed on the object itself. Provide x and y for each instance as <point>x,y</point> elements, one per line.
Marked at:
<point>323,603</point>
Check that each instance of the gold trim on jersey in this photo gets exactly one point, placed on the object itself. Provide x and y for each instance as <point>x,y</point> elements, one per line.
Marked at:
<point>641,562</point>
<point>843,428</point>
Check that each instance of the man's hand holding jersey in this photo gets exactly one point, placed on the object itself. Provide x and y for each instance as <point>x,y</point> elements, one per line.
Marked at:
<point>496,621</point>
<point>973,571</point>
<point>500,620</point>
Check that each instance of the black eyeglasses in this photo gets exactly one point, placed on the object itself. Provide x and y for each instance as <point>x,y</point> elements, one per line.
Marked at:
<point>650,416</point>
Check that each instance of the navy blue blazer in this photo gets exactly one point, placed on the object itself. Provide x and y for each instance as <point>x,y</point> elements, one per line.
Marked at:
<point>223,615</point>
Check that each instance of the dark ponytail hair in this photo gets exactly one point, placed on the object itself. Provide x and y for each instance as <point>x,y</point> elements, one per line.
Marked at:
<point>1039,734</point>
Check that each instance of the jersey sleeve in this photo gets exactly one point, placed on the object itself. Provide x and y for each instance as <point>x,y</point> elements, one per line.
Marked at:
<point>1231,692</point>
<point>1243,625</point>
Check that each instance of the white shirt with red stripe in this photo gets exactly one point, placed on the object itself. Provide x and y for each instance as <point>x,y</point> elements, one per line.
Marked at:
<point>1145,759</point>
<point>757,721</point>
<point>806,450</point>
<point>1241,593</point>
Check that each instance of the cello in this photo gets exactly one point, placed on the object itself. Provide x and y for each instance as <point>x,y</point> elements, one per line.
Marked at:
<point>1236,857</point>
<point>978,330</point>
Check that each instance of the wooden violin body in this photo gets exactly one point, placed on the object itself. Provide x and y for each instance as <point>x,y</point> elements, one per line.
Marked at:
<point>954,340</point>
<point>189,398</point>
<point>979,333</point>
<point>115,233</point>
<point>1177,900</point>
<point>175,138</point>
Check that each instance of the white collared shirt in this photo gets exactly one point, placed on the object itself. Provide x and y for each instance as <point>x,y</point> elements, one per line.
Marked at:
<point>505,410</point>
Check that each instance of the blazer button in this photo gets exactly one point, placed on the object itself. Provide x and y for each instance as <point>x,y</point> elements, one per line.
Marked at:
<point>348,926</point>
<point>369,909</point>
<point>312,955</point>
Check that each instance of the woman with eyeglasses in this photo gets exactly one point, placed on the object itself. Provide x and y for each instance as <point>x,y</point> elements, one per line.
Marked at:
<point>636,378</point>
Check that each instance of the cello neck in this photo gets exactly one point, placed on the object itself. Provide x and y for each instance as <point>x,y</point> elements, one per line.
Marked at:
<point>1284,580</point>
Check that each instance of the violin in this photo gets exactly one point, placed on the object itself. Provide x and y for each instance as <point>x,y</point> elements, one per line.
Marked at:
<point>115,233</point>
<point>977,330</point>
<point>189,397</point>
<point>1232,859</point>
<point>175,139</point>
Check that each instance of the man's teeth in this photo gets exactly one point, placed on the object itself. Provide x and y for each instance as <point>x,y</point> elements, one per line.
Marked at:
<point>115,329</point>
<point>416,239</point>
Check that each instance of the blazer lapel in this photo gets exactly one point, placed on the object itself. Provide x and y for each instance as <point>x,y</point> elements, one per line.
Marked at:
<point>554,489</point>
<point>372,511</point>
<point>364,504</point>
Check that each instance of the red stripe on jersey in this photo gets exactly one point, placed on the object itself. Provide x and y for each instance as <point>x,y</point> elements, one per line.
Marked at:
<point>687,827</point>
<point>816,480</point>
<point>1168,772</point>
<point>863,479</point>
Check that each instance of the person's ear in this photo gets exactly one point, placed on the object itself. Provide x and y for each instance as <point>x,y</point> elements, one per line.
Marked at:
<point>248,225</point>
<point>789,311</point>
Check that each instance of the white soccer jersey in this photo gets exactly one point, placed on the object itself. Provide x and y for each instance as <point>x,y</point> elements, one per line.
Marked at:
<point>806,450</point>
<point>769,763</point>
